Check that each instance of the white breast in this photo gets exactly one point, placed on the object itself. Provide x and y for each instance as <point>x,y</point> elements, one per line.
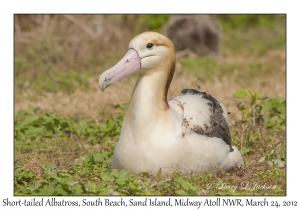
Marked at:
<point>174,145</point>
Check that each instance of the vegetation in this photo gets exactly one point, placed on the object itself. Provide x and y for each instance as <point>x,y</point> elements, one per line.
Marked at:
<point>79,170</point>
<point>66,130</point>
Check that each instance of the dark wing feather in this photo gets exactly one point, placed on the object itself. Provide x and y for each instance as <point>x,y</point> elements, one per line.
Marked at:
<point>218,125</point>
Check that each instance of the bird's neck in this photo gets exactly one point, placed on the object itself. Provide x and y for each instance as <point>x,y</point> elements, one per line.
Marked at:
<point>148,104</point>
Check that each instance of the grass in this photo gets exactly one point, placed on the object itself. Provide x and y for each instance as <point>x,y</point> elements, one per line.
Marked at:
<point>57,155</point>
<point>66,129</point>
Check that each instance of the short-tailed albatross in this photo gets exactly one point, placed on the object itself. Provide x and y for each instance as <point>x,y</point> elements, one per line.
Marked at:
<point>187,133</point>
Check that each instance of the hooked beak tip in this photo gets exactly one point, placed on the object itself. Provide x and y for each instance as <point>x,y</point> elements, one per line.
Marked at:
<point>103,82</point>
<point>129,64</point>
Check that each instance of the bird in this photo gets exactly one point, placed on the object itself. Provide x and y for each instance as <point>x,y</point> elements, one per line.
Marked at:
<point>188,133</point>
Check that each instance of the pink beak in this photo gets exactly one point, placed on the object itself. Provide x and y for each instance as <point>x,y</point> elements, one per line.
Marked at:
<point>129,64</point>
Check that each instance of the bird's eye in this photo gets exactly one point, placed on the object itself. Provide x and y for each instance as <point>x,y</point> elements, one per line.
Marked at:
<point>150,45</point>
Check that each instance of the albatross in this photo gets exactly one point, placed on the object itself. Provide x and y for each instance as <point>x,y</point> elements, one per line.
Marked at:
<point>188,133</point>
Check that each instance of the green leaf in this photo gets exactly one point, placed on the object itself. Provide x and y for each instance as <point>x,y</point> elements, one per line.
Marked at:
<point>123,174</point>
<point>71,182</point>
<point>246,113</point>
<point>106,176</point>
<point>64,125</point>
<point>241,106</point>
<point>56,121</point>
<point>256,96</point>
<point>29,120</point>
<point>105,191</point>
<point>258,108</point>
<point>90,187</point>
<point>41,183</point>
<point>48,190</point>
<point>181,192</point>
<point>133,187</point>
<point>242,93</point>
<point>98,157</point>
<point>115,173</point>
<point>245,150</point>
<point>58,179</point>
<point>23,189</point>
<point>34,131</point>
<point>49,126</point>
<point>122,181</point>
<point>184,184</point>
<point>77,190</point>
<point>31,188</point>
